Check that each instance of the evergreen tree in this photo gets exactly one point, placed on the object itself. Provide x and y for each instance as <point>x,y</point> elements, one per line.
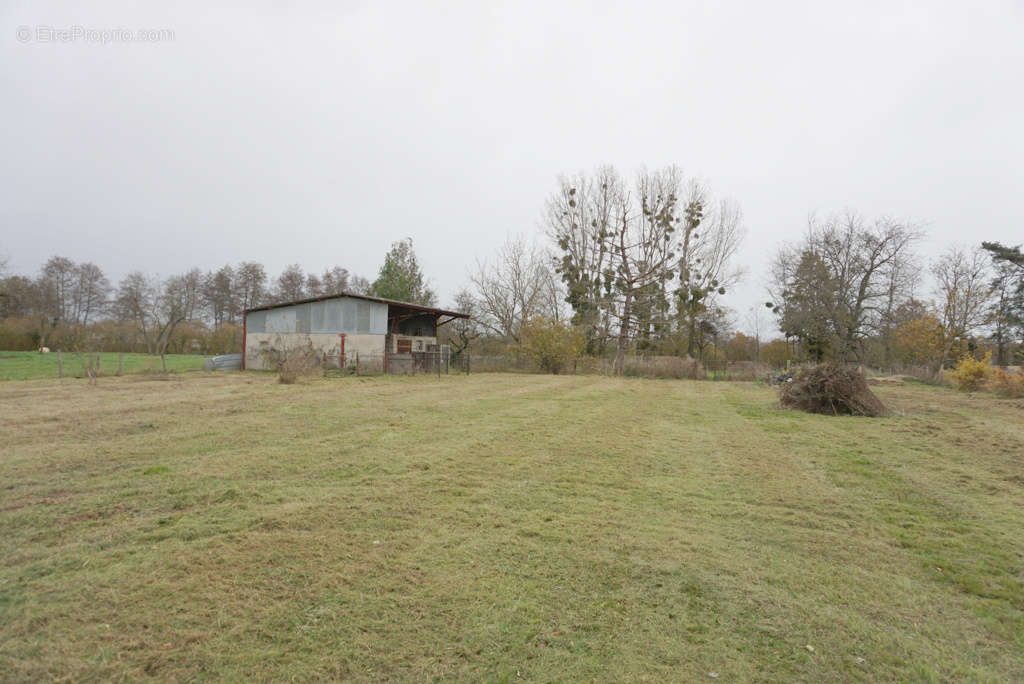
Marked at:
<point>400,277</point>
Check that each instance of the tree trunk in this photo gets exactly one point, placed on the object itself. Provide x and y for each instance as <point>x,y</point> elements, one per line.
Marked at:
<point>620,347</point>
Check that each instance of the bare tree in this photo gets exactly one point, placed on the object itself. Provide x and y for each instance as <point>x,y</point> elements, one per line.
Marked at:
<point>57,281</point>
<point>250,285</point>
<point>837,284</point>
<point>578,219</point>
<point>706,249</point>
<point>757,326</point>
<point>358,285</point>
<point>314,286</point>
<point>158,308</point>
<point>291,284</point>
<point>641,246</point>
<point>220,296</point>
<point>90,293</point>
<point>964,289</point>
<point>512,288</point>
<point>461,332</point>
<point>335,280</point>
<point>638,262</point>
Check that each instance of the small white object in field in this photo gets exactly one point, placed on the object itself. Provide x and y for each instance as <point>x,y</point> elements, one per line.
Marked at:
<point>44,350</point>
<point>809,648</point>
<point>376,541</point>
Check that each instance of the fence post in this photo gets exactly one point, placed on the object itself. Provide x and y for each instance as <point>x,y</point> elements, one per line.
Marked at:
<point>467,363</point>
<point>163,362</point>
<point>120,362</point>
<point>99,364</point>
<point>60,364</point>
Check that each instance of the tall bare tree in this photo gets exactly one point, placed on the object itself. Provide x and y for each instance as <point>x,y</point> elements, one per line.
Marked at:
<point>641,260</point>
<point>578,219</point>
<point>291,284</point>
<point>514,286</point>
<point>964,288</point>
<point>709,240</point>
<point>220,295</point>
<point>90,293</point>
<point>838,281</point>
<point>250,285</point>
<point>641,244</point>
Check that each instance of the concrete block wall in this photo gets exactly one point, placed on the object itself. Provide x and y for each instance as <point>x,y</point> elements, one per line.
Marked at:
<point>256,344</point>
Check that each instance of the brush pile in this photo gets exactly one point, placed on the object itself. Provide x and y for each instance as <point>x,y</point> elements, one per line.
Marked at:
<point>832,390</point>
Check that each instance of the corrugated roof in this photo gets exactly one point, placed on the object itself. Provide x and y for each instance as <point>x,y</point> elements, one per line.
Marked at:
<point>338,295</point>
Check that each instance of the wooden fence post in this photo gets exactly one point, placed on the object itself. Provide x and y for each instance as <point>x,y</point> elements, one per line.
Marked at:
<point>120,363</point>
<point>60,364</point>
<point>163,363</point>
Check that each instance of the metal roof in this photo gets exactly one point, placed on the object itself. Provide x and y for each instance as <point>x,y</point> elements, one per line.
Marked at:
<point>338,295</point>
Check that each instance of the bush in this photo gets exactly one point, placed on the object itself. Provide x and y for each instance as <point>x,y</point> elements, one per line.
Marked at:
<point>552,344</point>
<point>832,390</point>
<point>1008,383</point>
<point>293,364</point>
<point>971,374</point>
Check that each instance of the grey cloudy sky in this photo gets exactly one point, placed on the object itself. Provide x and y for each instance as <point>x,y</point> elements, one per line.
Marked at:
<point>319,134</point>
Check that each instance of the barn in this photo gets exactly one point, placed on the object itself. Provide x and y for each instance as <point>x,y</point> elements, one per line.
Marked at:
<point>344,328</point>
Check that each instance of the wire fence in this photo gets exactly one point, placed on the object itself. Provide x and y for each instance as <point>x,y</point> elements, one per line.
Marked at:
<point>434,362</point>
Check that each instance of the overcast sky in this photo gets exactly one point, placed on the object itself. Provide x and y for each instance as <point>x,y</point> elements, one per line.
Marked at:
<point>284,134</point>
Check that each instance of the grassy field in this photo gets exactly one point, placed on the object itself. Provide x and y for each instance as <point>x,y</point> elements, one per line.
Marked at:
<point>502,527</point>
<point>16,365</point>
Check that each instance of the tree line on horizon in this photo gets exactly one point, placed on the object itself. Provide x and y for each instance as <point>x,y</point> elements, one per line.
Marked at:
<point>74,306</point>
<point>621,267</point>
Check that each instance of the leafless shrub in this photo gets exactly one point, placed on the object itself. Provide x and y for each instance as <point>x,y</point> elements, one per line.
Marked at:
<point>831,389</point>
<point>294,363</point>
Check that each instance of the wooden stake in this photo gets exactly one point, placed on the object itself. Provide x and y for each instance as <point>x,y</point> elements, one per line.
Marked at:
<point>60,364</point>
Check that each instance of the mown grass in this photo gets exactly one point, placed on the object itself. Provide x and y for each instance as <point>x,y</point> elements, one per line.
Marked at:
<point>505,526</point>
<point>19,365</point>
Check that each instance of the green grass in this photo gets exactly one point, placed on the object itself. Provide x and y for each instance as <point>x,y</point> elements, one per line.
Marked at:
<point>497,527</point>
<point>16,365</point>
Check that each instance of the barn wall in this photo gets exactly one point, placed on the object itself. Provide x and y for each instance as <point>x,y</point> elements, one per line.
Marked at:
<point>339,315</point>
<point>368,346</point>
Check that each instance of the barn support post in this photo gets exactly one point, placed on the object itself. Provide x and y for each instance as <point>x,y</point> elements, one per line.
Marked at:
<point>245,326</point>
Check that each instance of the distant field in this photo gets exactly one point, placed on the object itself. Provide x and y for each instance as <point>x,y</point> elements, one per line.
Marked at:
<point>15,365</point>
<point>504,528</point>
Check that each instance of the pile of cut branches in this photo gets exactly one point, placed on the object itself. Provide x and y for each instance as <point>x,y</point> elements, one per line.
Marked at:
<point>832,390</point>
